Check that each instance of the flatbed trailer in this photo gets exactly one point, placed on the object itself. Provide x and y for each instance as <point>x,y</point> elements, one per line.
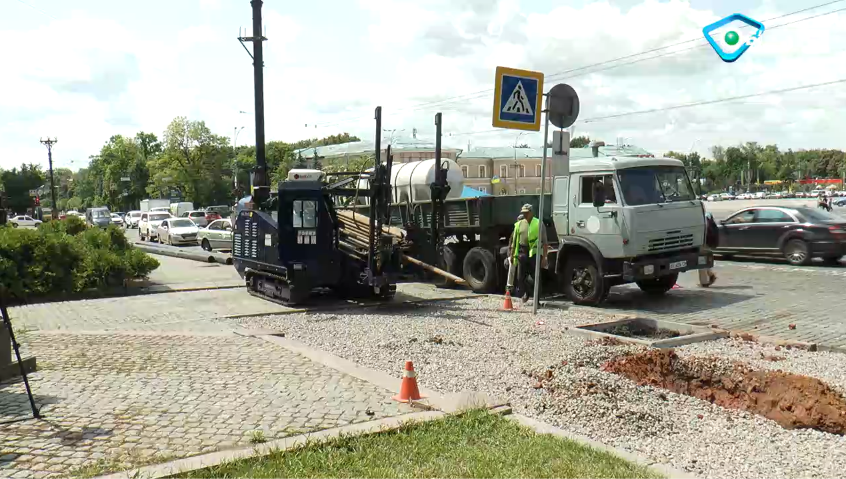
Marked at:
<point>475,231</point>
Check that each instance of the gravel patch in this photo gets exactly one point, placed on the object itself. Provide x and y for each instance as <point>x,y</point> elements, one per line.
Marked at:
<point>554,376</point>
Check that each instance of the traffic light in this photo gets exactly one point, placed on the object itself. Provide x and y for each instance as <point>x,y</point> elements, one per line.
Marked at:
<point>37,201</point>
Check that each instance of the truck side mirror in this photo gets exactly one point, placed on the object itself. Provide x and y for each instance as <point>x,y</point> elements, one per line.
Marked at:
<point>598,195</point>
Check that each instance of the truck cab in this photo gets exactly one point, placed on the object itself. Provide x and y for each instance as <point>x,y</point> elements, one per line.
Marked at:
<point>626,219</point>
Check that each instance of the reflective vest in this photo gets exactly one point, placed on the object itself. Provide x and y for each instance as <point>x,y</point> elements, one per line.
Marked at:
<point>534,234</point>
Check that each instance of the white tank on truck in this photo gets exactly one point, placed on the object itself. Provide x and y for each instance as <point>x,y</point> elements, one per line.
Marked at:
<point>410,181</point>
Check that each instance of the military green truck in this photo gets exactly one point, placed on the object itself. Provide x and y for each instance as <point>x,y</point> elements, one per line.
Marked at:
<point>609,221</point>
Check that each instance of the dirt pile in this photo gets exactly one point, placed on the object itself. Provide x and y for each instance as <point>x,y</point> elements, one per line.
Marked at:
<point>792,400</point>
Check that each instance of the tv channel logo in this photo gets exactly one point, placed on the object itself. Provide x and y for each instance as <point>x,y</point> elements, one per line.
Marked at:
<point>731,36</point>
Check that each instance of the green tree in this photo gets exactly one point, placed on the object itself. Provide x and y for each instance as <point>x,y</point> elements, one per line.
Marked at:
<point>19,182</point>
<point>580,142</point>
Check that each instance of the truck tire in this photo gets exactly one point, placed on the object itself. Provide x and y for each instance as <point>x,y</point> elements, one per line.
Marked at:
<point>451,263</point>
<point>582,283</point>
<point>480,270</point>
<point>659,285</point>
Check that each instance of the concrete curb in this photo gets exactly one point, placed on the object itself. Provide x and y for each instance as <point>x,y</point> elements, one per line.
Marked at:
<point>211,257</point>
<point>433,400</point>
<point>216,458</point>
<point>544,428</point>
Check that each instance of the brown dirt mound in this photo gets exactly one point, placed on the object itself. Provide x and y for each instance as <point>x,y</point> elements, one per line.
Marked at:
<point>792,400</point>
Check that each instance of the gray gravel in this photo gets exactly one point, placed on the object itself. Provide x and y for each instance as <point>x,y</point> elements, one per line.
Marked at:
<point>471,345</point>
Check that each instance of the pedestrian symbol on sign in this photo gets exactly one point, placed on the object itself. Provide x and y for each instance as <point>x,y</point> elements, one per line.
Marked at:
<point>517,99</point>
<point>517,102</point>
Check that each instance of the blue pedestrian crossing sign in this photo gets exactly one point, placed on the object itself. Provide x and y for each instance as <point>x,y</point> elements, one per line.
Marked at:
<point>517,99</point>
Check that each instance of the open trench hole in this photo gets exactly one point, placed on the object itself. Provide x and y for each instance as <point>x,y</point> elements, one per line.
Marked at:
<point>791,400</point>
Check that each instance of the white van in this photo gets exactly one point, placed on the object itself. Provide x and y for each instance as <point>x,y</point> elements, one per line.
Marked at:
<point>176,209</point>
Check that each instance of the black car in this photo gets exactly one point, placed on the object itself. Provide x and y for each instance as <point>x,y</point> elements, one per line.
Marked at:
<point>798,234</point>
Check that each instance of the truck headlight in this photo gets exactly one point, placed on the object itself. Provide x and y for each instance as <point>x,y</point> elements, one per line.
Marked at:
<point>648,269</point>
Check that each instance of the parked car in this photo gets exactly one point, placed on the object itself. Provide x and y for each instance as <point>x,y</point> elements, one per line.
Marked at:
<point>198,217</point>
<point>24,220</point>
<point>727,196</point>
<point>174,231</point>
<point>800,194</point>
<point>148,224</point>
<point>117,220</point>
<point>222,210</point>
<point>132,218</point>
<point>715,198</point>
<point>218,235</point>
<point>840,202</point>
<point>798,234</point>
<point>99,217</point>
<point>744,196</point>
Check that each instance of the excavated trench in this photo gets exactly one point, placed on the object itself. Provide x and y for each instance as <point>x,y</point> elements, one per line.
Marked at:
<point>791,400</point>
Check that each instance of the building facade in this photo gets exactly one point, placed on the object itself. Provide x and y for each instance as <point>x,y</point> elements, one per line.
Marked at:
<point>503,171</point>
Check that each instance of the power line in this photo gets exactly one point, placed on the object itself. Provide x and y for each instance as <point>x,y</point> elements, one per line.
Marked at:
<point>481,93</point>
<point>37,9</point>
<point>676,107</point>
<point>720,100</point>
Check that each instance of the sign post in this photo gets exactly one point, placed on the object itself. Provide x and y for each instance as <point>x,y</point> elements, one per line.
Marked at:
<point>562,109</point>
<point>517,106</point>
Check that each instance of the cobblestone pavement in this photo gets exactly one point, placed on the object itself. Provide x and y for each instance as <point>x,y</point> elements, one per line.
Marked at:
<point>187,311</point>
<point>115,401</point>
<point>763,298</point>
<point>178,311</point>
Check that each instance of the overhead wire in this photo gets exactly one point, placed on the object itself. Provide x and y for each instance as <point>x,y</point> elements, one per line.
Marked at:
<point>481,93</point>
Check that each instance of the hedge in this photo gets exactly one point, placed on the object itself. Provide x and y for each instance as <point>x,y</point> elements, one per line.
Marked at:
<point>65,256</point>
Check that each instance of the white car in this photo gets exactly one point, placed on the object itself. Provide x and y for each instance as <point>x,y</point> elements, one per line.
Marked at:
<point>218,235</point>
<point>175,231</point>
<point>727,196</point>
<point>24,220</point>
<point>116,219</point>
<point>714,198</point>
<point>131,219</point>
<point>149,223</point>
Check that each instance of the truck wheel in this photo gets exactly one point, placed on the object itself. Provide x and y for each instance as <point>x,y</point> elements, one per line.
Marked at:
<point>451,264</point>
<point>480,270</point>
<point>582,283</point>
<point>659,285</point>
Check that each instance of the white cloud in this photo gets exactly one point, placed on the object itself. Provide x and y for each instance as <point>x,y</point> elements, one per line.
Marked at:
<point>131,72</point>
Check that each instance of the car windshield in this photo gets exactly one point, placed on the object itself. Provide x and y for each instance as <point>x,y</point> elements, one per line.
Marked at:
<point>819,216</point>
<point>159,217</point>
<point>181,223</point>
<point>100,214</point>
<point>655,184</point>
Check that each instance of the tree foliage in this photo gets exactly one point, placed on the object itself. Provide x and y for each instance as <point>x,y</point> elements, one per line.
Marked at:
<point>17,184</point>
<point>580,142</point>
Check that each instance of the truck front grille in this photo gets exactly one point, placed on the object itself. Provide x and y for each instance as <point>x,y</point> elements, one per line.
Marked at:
<point>673,240</point>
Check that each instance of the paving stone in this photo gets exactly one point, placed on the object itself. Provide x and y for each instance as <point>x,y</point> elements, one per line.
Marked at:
<point>134,394</point>
<point>762,298</point>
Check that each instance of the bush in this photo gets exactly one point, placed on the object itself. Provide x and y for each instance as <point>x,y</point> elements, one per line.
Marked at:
<point>64,256</point>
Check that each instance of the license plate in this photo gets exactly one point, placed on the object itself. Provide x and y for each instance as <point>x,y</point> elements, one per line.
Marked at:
<point>678,264</point>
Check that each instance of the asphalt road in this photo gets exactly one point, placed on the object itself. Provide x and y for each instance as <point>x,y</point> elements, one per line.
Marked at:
<point>724,209</point>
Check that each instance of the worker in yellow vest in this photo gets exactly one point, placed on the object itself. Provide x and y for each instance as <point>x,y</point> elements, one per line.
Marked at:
<point>523,249</point>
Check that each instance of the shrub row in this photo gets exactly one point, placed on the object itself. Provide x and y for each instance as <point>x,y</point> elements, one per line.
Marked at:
<point>65,256</point>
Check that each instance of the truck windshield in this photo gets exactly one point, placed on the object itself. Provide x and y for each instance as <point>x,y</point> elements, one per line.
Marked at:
<point>655,184</point>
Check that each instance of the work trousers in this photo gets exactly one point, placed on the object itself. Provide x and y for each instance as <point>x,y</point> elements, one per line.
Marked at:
<point>525,268</point>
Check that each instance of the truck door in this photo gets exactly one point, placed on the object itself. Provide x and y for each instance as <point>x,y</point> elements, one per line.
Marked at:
<point>560,205</point>
<point>599,225</point>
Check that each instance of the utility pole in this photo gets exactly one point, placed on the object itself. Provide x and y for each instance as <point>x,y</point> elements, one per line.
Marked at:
<point>261,191</point>
<point>49,142</point>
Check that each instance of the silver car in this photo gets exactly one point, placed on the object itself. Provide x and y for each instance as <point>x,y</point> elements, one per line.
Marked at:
<point>218,235</point>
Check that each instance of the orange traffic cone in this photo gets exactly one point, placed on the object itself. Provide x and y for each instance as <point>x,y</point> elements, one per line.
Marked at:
<point>408,389</point>
<point>507,305</point>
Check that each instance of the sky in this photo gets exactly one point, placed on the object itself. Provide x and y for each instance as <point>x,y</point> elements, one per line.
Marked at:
<point>85,70</point>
